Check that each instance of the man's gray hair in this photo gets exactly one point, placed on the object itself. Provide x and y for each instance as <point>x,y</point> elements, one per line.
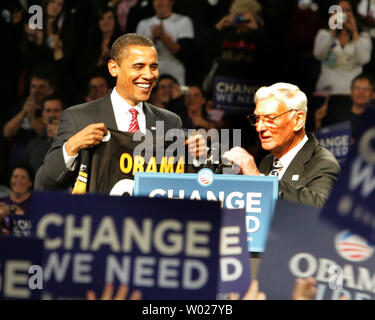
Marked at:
<point>123,43</point>
<point>288,93</point>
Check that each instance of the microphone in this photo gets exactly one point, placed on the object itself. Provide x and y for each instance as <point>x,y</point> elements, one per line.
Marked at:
<point>214,161</point>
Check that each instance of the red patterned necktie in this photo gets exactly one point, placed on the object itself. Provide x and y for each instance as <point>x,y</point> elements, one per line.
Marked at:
<point>134,127</point>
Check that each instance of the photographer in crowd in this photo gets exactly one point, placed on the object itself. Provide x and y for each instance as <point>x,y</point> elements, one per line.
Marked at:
<point>38,146</point>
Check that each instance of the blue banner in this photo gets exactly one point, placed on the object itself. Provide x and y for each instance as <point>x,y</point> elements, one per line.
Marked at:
<point>336,138</point>
<point>17,255</point>
<point>91,240</point>
<point>301,245</point>
<point>234,257</point>
<point>257,195</point>
<point>234,95</point>
<point>352,200</point>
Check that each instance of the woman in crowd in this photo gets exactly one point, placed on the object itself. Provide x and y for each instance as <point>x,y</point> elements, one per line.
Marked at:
<point>14,209</point>
<point>97,52</point>
<point>52,43</point>
<point>195,103</point>
<point>342,49</point>
<point>167,94</point>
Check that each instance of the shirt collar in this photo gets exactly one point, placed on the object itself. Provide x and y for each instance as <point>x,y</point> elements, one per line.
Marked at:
<point>287,158</point>
<point>120,105</point>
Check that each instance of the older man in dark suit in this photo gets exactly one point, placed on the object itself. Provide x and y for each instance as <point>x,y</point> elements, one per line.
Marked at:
<point>134,64</point>
<point>306,170</point>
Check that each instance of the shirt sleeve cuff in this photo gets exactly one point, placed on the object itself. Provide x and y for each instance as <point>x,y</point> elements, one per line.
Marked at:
<point>70,162</point>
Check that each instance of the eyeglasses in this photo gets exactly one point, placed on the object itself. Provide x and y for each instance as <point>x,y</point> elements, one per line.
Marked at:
<point>267,120</point>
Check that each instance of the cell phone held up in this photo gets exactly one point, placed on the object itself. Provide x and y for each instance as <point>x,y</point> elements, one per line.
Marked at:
<point>239,18</point>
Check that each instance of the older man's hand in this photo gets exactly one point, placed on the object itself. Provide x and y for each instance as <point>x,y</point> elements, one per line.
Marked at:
<point>243,159</point>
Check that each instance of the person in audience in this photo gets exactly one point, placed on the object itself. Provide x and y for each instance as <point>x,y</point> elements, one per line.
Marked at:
<point>52,43</point>
<point>15,209</point>
<point>143,9</point>
<point>342,52</point>
<point>362,92</point>
<point>167,94</point>
<point>97,52</point>
<point>166,90</point>
<point>27,123</point>
<point>98,87</point>
<point>195,103</point>
<point>306,170</point>
<point>122,9</point>
<point>236,44</point>
<point>173,35</point>
<point>38,146</point>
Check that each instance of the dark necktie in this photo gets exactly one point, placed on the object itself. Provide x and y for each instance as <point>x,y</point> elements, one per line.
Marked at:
<point>276,167</point>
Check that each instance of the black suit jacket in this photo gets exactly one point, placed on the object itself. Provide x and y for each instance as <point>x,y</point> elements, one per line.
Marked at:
<point>53,174</point>
<point>310,176</point>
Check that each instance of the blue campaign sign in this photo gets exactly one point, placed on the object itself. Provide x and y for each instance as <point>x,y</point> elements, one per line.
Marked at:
<point>235,272</point>
<point>91,240</point>
<point>352,200</point>
<point>17,255</point>
<point>301,245</point>
<point>234,95</point>
<point>336,138</point>
<point>257,195</point>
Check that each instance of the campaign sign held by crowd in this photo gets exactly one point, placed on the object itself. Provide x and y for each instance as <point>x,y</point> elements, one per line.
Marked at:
<point>91,240</point>
<point>234,256</point>
<point>234,95</point>
<point>352,200</point>
<point>301,245</point>
<point>336,138</point>
<point>257,195</point>
<point>19,260</point>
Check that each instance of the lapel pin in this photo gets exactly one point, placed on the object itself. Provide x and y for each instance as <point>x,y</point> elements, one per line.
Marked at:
<point>295,177</point>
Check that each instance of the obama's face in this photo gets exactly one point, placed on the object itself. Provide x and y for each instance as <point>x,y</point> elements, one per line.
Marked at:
<point>136,73</point>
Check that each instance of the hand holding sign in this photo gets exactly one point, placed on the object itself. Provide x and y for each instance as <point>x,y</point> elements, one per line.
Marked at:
<point>252,293</point>
<point>304,289</point>
<point>121,293</point>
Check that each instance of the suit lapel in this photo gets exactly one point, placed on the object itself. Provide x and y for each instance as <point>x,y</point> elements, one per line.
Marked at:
<point>297,165</point>
<point>105,112</point>
<point>267,164</point>
<point>150,117</point>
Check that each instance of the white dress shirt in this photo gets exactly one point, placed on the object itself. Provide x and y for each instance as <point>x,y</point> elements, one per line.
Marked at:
<point>123,117</point>
<point>287,158</point>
